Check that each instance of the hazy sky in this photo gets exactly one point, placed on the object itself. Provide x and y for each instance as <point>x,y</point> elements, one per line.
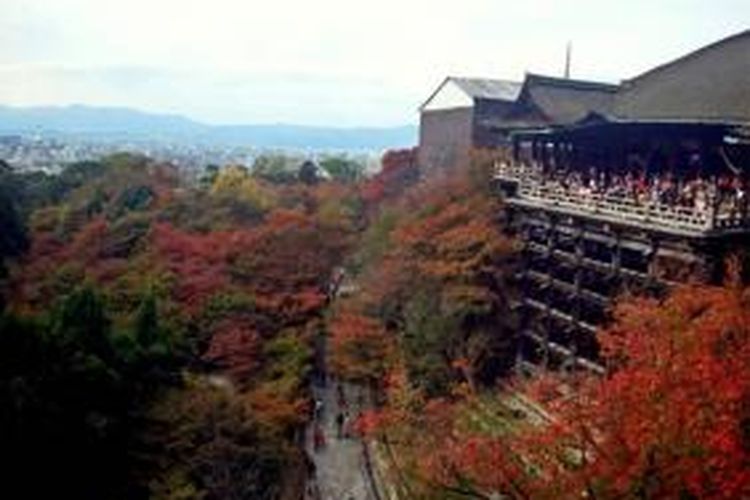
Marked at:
<point>332,62</point>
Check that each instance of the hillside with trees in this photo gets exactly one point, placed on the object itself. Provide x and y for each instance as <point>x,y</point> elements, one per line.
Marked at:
<point>431,329</point>
<point>158,339</point>
<point>157,336</point>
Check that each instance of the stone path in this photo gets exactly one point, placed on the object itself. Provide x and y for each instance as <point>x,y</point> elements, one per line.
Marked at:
<point>340,472</point>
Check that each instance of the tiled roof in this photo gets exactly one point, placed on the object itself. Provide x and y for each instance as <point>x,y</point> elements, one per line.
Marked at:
<point>485,88</point>
<point>711,84</point>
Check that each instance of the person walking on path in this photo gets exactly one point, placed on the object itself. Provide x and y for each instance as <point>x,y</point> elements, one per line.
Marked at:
<point>340,418</point>
<point>345,425</point>
<point>318,409</point>
<point>311,491</point>
<point>341,396</point>
<point>319,439</point>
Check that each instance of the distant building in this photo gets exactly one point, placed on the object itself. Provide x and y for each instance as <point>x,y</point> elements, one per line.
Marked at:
<point>11,140</point>
<point>311,173</point>
<point>451,119</point>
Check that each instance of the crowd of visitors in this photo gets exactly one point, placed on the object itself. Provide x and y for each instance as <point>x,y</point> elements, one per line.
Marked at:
<point>726,193</point>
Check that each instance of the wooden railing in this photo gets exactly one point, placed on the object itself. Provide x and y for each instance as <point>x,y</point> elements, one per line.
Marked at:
<point>533,188</point>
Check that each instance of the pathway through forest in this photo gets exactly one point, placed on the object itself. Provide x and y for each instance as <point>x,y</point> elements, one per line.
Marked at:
<point>341,469</point>
<point>340,464</point>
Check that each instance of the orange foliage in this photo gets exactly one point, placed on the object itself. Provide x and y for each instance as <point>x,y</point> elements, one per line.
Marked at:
<point>398,171</point>
<point>277,409</point>
<point>285,265</point>
<point>359,347</point>
<point>235,347</point>
<point>673,417</point>
<point>670,421</point>
<point>197,263</point>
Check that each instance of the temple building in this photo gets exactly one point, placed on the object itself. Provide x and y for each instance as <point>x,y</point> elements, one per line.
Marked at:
<point>646,189</point>
<point>466,114</point>
<point>451,119</point>
<point>547,101</point>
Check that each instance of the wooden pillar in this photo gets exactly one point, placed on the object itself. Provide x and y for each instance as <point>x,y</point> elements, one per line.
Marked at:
<point>572,345</point>
<point>580,254</point>
<point>652,268</point>
<point>744,202</point>
<point>547,322</point>
<point>617,255</point>
<point>574,154</point>
<point>711,264</point>
<point>525,284</point>
<point>568,155</point>
<point>620,164</point>
<point>551,240</point>
<point>551,234</point>
<point>713,204</point>
<point>526,260</point>
<point>704,150</point>
<point>556,154</point>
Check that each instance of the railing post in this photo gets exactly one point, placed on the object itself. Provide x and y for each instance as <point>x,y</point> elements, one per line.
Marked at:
<point>535,188</point>
<point>712,209</point>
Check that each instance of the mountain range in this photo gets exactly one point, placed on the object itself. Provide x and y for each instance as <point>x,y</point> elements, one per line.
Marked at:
<point>119,123</point>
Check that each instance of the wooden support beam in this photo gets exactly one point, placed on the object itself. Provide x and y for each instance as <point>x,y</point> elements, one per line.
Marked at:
<point>560,350</point>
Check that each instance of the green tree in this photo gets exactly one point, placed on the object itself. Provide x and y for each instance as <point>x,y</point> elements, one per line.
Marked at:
<point>13,239</point>
<point>235,184</point>
<point>132,198</point>
<point>82,322</point>
<point>213,447</point>
<point>342,168</point>
<point>147,330</point>
<point>276,168</point>
<point>65,411</point>
<point>209,175</point>
<point>426,340</point>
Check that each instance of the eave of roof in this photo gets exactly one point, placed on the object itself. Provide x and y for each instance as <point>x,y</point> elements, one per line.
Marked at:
<point>480,88</point>
<point>572,98</point>
<point>596,121</point>
<point>678,121</point>
<point>554,81</point>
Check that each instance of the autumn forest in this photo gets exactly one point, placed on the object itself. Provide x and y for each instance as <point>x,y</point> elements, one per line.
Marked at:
<point>159,335</point>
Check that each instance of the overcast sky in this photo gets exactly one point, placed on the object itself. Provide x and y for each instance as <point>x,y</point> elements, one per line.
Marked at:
<point>327,62</point>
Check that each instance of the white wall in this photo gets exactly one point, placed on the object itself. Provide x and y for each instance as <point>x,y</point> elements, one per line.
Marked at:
<point>449,96</point>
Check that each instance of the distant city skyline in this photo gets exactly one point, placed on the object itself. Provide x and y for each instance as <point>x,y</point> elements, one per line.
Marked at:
<point>330,62</point>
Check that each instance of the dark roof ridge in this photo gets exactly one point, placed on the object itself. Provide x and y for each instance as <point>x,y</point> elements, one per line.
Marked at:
<point>695,53</point>
<point>504,80</point>
<point>534,78</point>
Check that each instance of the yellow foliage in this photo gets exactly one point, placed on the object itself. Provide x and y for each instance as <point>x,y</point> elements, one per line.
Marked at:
<point>234,182</point>
<point>334,213</point>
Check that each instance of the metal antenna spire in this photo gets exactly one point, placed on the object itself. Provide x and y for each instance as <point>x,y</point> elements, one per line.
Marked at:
<point>567,59</point>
